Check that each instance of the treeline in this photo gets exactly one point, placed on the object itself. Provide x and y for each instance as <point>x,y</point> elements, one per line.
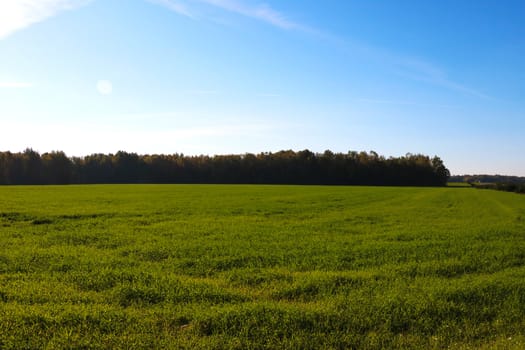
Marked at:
<point>284,167</point>
<point>488,179</point>
<point>493,182</point>
<point>501,186</point>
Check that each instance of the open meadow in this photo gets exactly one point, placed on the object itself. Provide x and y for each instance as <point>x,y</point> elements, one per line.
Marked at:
<point>253,267</point>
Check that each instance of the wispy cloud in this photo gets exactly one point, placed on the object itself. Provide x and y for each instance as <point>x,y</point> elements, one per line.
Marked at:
<point>403,103</point>
<point>409,67</point>
<point>15,85</point>
<point>452,85</point>
<point>263,12</point>
<point>405,66</point>
<point>18,14</point>
<point>175,6</point>
<point>420,70</point>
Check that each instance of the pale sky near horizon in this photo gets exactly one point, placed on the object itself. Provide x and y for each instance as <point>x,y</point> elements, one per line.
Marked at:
<point>442,78</point>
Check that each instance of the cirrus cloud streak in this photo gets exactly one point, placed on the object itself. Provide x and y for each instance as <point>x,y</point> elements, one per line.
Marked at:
<point>19,14</point>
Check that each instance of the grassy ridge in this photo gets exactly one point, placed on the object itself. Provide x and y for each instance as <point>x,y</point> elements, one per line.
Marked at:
<point>168,266</point>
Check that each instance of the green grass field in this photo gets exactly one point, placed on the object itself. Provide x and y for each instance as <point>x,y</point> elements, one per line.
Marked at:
<point>253,267</point>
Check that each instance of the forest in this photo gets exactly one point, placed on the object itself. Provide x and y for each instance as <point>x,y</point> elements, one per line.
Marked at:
<point>283,167</point>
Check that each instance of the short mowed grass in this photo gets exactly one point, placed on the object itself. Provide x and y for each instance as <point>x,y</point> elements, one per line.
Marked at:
<point>261,267</point>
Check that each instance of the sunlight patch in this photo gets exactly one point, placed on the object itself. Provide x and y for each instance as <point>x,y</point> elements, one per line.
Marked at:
<point>104,87</point>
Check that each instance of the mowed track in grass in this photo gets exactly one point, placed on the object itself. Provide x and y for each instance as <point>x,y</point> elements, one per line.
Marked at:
<point>191,266</point>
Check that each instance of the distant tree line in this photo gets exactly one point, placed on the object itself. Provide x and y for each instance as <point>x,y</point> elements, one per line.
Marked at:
<point>501,186</point>
<point>493,182</point>
<point>283,167</point>
<point>488,179</point>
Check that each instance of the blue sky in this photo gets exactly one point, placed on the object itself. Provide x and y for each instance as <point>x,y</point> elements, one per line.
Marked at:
<point>442,78</point>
